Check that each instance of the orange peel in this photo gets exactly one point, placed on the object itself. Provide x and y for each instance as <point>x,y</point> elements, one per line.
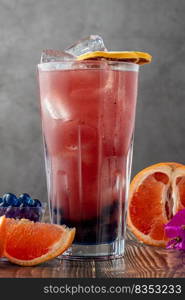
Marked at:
<point>136,57</point>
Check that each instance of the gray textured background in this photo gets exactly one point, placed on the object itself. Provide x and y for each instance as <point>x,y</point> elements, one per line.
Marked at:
<point>28,26</point>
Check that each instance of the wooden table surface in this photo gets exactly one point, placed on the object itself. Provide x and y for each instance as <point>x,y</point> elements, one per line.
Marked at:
<point>139,261</point>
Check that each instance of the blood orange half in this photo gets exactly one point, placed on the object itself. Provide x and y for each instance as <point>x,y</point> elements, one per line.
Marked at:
<point>29,243</point>
<point>156,194</point>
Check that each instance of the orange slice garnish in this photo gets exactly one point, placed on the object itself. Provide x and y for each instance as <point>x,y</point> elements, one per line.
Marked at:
<point>139,58</point>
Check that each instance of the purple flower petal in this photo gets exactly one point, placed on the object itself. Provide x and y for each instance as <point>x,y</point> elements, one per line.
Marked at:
<point>174,231</point>
<point>172,244</point>
<point>182,244</point>
<point>176,244</point>
<point>178,219</point>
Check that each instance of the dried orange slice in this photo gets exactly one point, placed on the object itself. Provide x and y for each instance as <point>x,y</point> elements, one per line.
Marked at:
<point>156,194</point>
<point>140,58</point>
<point>29,243</point>
<point>2,234</point>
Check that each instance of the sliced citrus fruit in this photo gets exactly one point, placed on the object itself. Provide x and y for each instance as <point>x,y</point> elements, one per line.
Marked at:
<point>29,243</point>
<point>2,234</point>
<point>156,194</point>
<point>140,58</point>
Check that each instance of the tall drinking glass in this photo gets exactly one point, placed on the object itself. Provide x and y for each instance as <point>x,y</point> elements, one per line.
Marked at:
<point>88,116</point>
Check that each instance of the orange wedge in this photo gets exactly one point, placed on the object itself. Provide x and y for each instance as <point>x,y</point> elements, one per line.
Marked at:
<point>29,243</point>
<point>140,58</point>
<point>156,194</point>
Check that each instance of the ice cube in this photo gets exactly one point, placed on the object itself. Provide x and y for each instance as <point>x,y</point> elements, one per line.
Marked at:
<point>50,55</point>
<point>89,44</point>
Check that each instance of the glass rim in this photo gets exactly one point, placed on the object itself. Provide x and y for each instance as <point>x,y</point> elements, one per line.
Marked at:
<point>73,65</point>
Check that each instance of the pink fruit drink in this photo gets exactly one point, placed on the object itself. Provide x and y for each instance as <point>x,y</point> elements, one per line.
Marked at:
<point>88,115</point>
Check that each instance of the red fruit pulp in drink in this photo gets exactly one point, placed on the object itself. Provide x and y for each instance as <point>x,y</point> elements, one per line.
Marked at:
<point>88,120</point>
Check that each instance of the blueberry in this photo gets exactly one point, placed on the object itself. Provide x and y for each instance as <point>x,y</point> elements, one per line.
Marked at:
<point>24,197</point>
<point>1,202</point>
<point>17,213</point>
<point>10,200</point>
<point>26,200</point>
<point>22,213</point>
<point>37,203</point>
<point>17,203</point>
<point>30,202</point>
<point>35,215</point>
<point>27,213</point>
<point>2,210</point>
<point>10,212</point>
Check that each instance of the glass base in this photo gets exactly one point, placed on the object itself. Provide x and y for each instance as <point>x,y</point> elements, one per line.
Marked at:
<point>98,252</point>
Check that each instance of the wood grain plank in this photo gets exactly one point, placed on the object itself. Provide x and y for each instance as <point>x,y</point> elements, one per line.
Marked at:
<point>139,261</point>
